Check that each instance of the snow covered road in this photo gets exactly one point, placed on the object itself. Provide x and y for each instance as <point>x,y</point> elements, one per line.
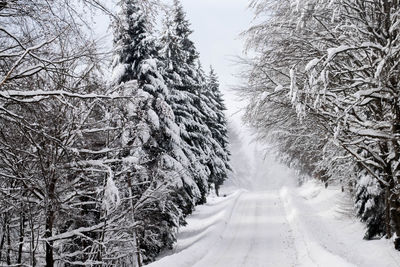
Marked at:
<point>285,226</point>
<point>256,234</point>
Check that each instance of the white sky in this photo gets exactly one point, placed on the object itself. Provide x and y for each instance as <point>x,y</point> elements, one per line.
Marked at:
<point>217,25</point>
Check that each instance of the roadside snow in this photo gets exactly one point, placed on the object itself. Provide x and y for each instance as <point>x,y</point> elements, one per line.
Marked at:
<point>328,234</point>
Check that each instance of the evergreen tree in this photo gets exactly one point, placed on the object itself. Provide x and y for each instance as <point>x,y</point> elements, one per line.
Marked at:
<point>182,78</point>
<point>212,108</point>
<point>219,127</point>
<point>155,164</point>
<point>218,124</point>
<point>370,204</point>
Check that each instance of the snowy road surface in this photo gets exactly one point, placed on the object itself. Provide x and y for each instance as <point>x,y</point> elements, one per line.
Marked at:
<point>280,226</point>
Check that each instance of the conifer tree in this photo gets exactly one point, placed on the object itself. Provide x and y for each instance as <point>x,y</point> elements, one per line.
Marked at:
<point>217,159</point>
<point>199,112</point>
<point>370,204</point>
<point>217,123</point>
<point>155,165</point>
<point>182,78</point>
<point>219,128</point>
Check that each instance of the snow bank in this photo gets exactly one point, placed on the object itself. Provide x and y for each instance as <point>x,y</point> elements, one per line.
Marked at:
<point>326,234</point>
<point>309,251</point>
<point>196,239</point>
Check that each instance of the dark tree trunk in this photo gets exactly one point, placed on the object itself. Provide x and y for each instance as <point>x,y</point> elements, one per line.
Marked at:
<point>49,224</point>
<point>21,237</point>
<point>49,244</point>
<point>138,253</point>
<point>3,237</point>
<point>387,213</point>
<point>8,257</point>
<point>395,216</point>
<point>32,245</point>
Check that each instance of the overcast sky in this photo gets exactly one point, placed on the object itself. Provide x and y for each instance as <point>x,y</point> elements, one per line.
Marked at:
<point>217,25</point>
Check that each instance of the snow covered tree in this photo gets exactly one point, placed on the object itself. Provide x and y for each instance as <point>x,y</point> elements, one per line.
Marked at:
<point>370,205</point>
<point>151,137</point>
<point>336,61</point>
<point>92,174</point>
<point>212,107</point>
<point>219,126</point>
<point>181,76</point>
<point>198,106</point>
<point>360,81</point>
<point>50,80</point>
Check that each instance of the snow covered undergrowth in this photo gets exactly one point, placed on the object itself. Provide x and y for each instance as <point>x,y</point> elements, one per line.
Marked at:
<point>277,225</point>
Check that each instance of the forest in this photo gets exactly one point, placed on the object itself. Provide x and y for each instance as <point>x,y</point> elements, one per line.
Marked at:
<point>102,154</point>
<point>325,77</point>
<point>107,152</point>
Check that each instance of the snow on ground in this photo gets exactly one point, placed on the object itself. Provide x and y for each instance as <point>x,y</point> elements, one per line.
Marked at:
<point>275,223</point>
<point>242,229</point>
<point>327,234</point>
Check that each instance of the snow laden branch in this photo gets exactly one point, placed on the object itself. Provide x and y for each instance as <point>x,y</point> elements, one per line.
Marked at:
<point>99,168</point>
<point>337,64</point>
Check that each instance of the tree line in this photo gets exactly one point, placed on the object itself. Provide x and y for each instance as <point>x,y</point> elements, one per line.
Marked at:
<point>325,76</point>
<point>100,169</point>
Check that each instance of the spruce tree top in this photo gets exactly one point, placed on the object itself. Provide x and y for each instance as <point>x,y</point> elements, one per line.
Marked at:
<point>136,52</point>
<point>183,31</point>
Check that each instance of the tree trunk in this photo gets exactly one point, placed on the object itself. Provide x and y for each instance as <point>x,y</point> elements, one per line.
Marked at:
<point>138,254</point>
<point>395,213</point>
<point>21,237</point>
<point>2,244</point>
<point>394,183</point>
<point>217,189</point>
<point>135,237</point>
<point>387,213</point>
<point>49,244</point>
<point>3,236</point>
<point>8,259</point>
<point>32,243</point>
<point>49,224</point>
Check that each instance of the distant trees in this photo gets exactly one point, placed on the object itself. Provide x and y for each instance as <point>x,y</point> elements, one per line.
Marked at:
<point>334,64</point>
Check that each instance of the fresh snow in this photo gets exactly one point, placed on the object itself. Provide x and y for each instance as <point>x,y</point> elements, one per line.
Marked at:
<point>332,52</point>
<point>273,222</point>
<point>111,193</point>
<point>310,65</point>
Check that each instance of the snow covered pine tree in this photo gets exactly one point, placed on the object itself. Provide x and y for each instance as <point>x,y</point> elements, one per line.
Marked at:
<point>217,124</point>
<point>153,140</point>
<point>187,83</point>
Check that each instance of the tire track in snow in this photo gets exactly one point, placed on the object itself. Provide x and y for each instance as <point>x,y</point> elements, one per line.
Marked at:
<point>242,220</point>
<point>256,235</point>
